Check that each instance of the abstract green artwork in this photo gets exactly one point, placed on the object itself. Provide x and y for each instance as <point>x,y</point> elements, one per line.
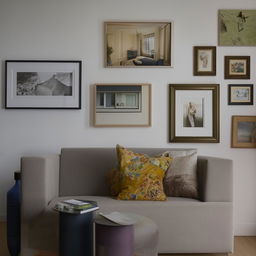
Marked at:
<point>237,27</point>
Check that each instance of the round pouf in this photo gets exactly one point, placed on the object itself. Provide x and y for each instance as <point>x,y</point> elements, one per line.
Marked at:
<point>112,240</point>
<point>139,239</point>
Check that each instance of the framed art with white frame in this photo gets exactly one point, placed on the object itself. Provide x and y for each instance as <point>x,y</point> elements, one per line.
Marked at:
<point>122,105</point>
<point>194,113</point>
<point>43,84</point>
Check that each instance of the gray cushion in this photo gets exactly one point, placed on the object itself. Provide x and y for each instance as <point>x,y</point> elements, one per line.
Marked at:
<point>181,177</point>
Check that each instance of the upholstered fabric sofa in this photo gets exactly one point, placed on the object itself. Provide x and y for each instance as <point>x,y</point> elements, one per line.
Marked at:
<point>185,225</point>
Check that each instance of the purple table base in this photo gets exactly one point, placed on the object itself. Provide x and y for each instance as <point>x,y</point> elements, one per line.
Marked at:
<point>114,240</point>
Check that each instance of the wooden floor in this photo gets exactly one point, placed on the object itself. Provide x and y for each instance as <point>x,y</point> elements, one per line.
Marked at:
<point>244,246</point>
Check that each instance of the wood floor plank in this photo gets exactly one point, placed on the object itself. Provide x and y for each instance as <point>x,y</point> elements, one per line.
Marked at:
<point>244,246</point>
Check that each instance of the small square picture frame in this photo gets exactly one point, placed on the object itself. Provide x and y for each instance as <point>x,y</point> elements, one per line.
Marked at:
<point>237,67</point>
<point>243,132</point>
<point>204,61</point>
<point>240,94</point>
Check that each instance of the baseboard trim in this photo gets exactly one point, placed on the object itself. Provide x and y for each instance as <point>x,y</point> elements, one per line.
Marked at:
<point>245,229</point>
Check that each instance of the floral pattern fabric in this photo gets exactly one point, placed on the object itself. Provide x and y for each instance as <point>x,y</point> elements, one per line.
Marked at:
<point>141,176</point>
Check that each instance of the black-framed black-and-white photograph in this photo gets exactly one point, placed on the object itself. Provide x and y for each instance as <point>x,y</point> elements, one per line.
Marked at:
<point>240,94</point>
<point>122,105</point>
<point>41,84</point>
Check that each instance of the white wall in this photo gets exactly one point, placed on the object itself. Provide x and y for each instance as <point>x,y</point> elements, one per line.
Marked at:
<point>65,29</point>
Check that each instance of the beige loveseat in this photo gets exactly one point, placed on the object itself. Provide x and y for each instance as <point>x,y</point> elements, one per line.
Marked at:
<point>185,225</point>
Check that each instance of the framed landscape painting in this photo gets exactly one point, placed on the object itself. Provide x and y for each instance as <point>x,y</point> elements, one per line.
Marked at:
<point>39,84</point>
<point>243,132</point>
<point>122,105</point>
<point>237,27</point>
<point>204,61</point>
<point>240,94</point>
<point>194,113</point>
<point>237,67</point>
<point>138,44</point>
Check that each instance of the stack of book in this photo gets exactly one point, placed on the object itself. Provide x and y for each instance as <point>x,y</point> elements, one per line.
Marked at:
<point>76,206</point>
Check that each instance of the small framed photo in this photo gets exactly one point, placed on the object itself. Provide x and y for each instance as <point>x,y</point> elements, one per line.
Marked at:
<point>137,44</point>
<point>41,84</point>
<point>237,67</point>
<point>243,132</point>
<point>194,113</point>
<point>122,105</point>
<point>204,61</point>
<point>240,94</point>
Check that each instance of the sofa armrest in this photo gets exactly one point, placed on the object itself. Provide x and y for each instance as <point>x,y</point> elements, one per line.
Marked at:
<point>39,184</point>
<point>218,179</point>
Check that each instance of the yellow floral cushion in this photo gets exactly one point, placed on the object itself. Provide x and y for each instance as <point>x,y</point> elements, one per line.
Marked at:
<point>141,176</point>
<point>114,183</point>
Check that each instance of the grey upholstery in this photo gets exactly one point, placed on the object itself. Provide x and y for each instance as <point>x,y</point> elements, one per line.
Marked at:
<point>185,225</point>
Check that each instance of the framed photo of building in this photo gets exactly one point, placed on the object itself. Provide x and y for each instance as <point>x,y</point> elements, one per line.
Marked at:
<point>194,113</point>
<point>237,67</point>
<point>243,132</point>
<point>240,94</point>
<point>122,105</point>
<point>237,27</point>
<point>138,44</point>
<point>204,61</point>
<point>41,84</point>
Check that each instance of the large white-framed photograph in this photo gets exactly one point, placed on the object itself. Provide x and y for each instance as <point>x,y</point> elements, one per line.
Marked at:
<point>122,105</point>
<point>42,84</point>
<point>194,113</point>
<point>138,44</point>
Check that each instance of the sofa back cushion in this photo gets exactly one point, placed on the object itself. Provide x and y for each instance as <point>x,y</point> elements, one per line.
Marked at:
<point>83,170</point>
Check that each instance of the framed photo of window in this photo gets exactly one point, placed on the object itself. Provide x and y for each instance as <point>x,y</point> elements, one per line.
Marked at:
<point>194,113</point>
<point>243,132</point>
<point>122,105</point>
<point>237,67</point>
<point>240,94</point>
<point>43,84</point>
<point>138,44</point>
<point>204,61</point>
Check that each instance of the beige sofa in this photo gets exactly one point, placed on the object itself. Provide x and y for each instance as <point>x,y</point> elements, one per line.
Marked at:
<point>185,225</point>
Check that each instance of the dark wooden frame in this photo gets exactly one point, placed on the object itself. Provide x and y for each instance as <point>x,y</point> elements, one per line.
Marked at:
<point>230,102</point>
<point>213,64</point>
<point>227,65</point>
<point>216,109</point>
<point>45,61</point>
<point>234,141</point>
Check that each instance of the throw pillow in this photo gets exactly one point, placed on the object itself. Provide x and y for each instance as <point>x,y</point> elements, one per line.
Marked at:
<point>141,175</point>
<point>180,179</point>
<point>113,180</point>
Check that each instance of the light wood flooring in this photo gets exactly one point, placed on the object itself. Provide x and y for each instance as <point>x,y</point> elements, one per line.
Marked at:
<point>244,246</point>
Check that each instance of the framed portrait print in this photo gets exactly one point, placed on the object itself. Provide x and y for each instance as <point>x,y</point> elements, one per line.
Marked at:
<point>237,67</point>
<point>243,132</point>
<point>41,84</point>
<point>138,44</point>
<point>122,105</point>
<point>194,113</point>
<point>237,27</point>
<point>204,61</point>
<point>240,94</point>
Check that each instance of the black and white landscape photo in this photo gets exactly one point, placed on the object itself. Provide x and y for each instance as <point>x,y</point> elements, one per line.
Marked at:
<point>44,84</point>
<point>193,113</point>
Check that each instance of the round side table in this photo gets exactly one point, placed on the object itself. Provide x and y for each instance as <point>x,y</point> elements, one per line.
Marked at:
<point>76,234</point>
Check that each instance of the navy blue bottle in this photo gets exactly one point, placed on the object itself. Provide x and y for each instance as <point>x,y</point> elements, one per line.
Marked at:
<point>13,217</point>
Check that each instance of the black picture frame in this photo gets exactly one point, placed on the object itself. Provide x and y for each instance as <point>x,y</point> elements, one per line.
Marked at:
<point>25,87</point>
<point>245,96</point>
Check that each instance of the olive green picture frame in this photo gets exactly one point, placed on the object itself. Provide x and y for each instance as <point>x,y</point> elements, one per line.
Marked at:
<point>212,90</point>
